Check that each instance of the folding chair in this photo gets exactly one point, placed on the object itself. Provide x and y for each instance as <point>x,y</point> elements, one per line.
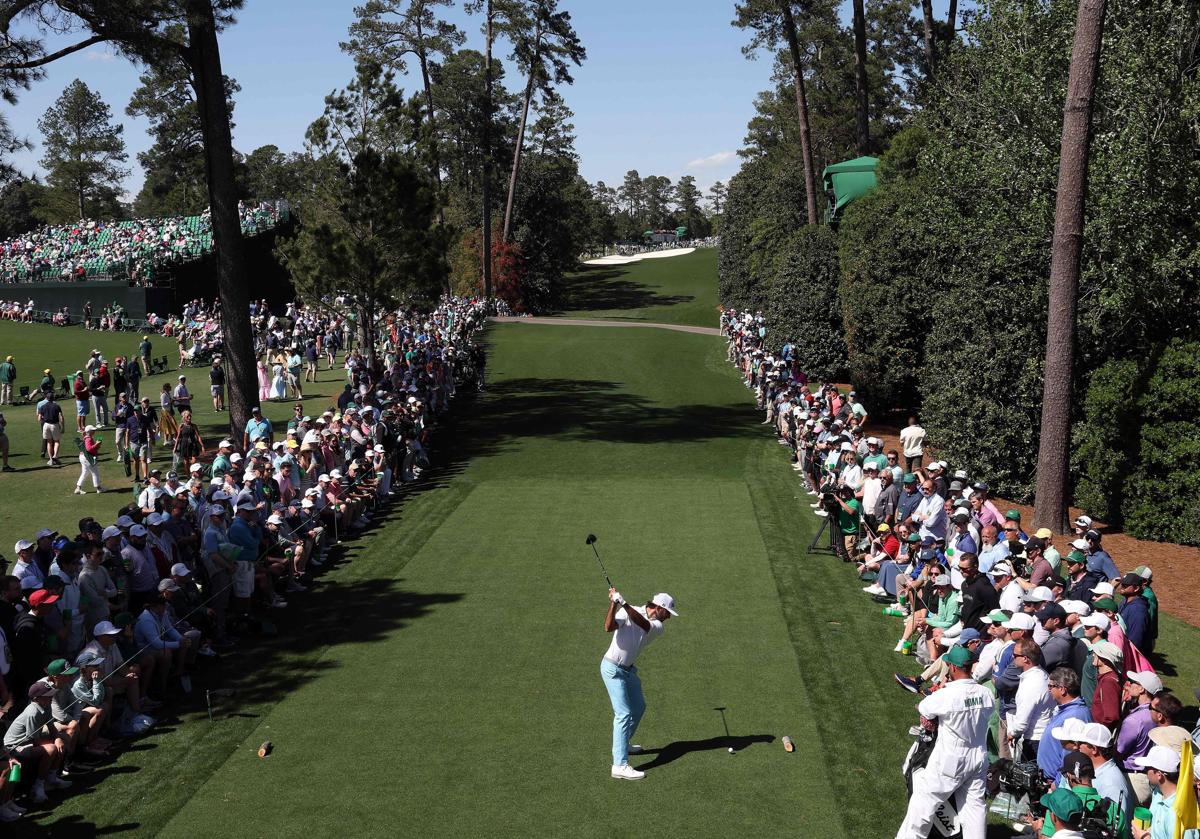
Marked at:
<point>23,392</point>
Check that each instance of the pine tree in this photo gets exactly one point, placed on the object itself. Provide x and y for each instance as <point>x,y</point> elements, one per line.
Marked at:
<point>84,151</point>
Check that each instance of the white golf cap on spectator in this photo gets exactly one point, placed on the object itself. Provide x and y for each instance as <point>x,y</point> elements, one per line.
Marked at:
<point>1020,620</point>
<point>88,429</point>
<point>274,519</point>
<point>335,473</point>
<point>941,580</point>
<point>220,496</point>
<point>181,490</point>
<point>1071,729</point>
<point>847,447</point>
<point>251,474</point>
<point>1094,734</point>
<point>167,584</point>
<point>311,491</point>
<point>1103,589</point>
<point>216,481</point>
<point>1041,594</point>
<point>666,601</point>
<point>378,448</point>
<point>1075,607</point>
<point>1161,758</point>
<point>224,444</point>
<point>138,530</point>
<point>235,458</point>
<point>214,510</point>
<point>1108,651</point>
<point>1001,569</point>
<point>44,533</point>
<point>1080,544</point>
<point>154,519</point>
<point>180,570</point>
<point>1083,522</point>
<point>246,506</point>
<point>195,467</point>
<point>1149,680</point>
<point>1097,620</point>
<point>22,545</point>
<point>110,531</point>
<point>307,503</point>
<point>105,628</point>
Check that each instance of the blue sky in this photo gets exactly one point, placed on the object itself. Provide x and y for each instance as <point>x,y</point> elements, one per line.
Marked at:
<point>665,89</point>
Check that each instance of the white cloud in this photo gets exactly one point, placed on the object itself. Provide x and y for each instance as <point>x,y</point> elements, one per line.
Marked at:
<point>100,55</point>
<point>712,161</point>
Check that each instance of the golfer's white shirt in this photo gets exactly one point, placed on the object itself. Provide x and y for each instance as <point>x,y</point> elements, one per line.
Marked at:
<point>628,640</point>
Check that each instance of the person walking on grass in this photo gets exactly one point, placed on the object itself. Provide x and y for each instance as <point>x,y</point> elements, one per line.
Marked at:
<point>89,455</point>
<point>632,628</point>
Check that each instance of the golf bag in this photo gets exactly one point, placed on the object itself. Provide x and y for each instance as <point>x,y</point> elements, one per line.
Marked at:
<point>945,822</point>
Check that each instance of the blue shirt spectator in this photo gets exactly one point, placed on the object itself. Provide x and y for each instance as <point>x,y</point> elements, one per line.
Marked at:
<point>155,630</point>
<point>1050,748</point>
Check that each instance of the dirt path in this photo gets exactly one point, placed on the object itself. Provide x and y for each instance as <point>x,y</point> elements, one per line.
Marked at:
<point>675,327</point>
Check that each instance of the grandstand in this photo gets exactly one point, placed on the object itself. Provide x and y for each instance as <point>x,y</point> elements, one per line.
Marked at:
<point>132,250</point>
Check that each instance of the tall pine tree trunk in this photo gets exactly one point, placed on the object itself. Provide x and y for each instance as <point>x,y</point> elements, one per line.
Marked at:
<point>1054,446</point>
<point>810,176</point>
<point>487,162</point>
<point>516,166</point>
<point>863,114</point>
<point>436,161</point>
<point>930,36</point>
<point>232,283</point>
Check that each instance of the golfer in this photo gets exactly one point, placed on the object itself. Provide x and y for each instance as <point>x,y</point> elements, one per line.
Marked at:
<point>633,627</point>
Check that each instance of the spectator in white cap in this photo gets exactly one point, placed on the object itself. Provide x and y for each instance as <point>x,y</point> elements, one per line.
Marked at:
<point>1008,674</point>
<point>26,569</point>
<point>1133,735</point>
<point>1094,740</point>
<point>119,676</point>
<point>1161,766</point>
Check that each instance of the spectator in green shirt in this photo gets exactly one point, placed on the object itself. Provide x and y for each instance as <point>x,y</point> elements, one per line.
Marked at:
<point>848,516</point>
<point>8,375</point>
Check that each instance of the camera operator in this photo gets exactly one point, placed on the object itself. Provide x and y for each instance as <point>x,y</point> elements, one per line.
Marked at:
<point>956,766</point>
<point>847,521</point>
<point>1079,775</point>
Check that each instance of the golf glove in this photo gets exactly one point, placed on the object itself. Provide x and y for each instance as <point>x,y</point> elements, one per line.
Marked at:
<point>615,597</point>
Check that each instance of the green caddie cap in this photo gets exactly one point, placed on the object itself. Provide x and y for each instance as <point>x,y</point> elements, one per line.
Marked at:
<point>1012,515</point>
<point>914,538</point>
<point>958,655</point>
<point>910,478</point>
<point>1064,804</point>
<point>1076,556</point>
<point>1105,603</point>
<point>61,667</point>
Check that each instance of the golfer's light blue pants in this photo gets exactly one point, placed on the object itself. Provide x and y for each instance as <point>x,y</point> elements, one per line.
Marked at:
<point>625,691</point>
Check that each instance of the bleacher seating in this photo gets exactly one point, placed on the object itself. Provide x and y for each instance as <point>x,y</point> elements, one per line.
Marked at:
<point>132,249</point>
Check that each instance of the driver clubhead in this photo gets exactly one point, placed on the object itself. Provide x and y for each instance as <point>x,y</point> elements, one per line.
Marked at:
<point>591,539</point>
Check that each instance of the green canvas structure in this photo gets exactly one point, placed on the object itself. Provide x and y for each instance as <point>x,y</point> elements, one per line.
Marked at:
<point>843,182</point>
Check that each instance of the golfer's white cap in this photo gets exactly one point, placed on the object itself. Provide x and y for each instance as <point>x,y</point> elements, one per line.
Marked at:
<point>666,601</point>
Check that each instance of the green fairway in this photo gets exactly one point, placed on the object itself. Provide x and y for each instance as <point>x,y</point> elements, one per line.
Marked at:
<point>443,678</point>
<point>677,289</point>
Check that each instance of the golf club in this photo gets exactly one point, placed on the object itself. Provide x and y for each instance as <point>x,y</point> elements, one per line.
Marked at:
<point>591,541</point>
<point>721,710</point>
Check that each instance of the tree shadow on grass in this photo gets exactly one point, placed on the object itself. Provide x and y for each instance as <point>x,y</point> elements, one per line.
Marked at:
<point>591,411</point>
<point>673,751</point>
<point>598,288</point>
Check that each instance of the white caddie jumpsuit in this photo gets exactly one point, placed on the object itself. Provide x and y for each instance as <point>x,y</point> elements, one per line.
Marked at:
<point>958,764</point>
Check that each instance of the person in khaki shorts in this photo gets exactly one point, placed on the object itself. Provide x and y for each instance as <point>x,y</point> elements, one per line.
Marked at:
<point>51,417</point>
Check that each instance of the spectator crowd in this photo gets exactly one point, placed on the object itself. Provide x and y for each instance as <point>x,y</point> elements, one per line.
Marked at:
<point>132,249</point>
<point>1036,653</point>
<point>104,623</point>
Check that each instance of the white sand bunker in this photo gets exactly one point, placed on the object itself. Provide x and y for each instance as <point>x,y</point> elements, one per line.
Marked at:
<point>625,260</point>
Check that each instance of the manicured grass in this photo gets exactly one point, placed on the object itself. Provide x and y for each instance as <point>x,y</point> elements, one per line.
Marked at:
<point>676,289</point>
<point>38,495</point>
<point>442,679</point>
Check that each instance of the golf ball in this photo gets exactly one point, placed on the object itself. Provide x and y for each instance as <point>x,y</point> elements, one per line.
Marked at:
<point>731,749</point>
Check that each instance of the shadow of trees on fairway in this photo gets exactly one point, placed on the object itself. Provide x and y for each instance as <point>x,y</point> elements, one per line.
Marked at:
<point>599,288</point>
<point>673,751</point>
<point>590,410</point>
